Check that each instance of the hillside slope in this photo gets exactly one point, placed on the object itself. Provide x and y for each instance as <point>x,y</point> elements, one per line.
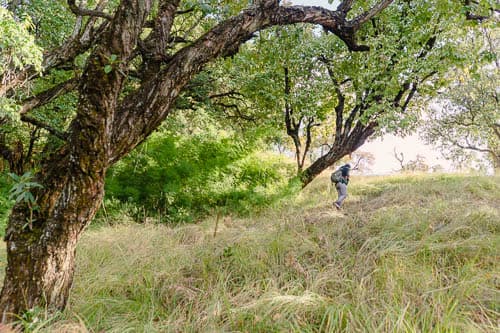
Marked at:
<point>408,254</point>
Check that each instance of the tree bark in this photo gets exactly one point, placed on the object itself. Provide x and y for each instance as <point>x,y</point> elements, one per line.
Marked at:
<point>41,244</point>
<point>344,145</point>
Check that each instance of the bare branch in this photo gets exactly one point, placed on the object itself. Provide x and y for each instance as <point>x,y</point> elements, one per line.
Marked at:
<point>356,165</point>
<point>48,95</point>
<point>400,157</point>
<point>357,22</point>
<point>87,12</point>
<point>41,124</point>
<point>345,6</point>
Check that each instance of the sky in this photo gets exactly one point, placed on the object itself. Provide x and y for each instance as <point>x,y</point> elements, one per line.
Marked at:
<point>322,3</point>
<point>383,149</point>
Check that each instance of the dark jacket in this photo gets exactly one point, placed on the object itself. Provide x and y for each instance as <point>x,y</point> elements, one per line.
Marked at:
<point>345,174</point>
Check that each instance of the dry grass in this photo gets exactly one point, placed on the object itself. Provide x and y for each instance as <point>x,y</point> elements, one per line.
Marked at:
<point>408,254</point>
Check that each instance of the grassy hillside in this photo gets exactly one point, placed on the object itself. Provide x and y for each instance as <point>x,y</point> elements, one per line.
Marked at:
<point>408,254</point>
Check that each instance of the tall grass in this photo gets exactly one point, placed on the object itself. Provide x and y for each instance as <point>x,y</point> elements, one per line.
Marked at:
<point>408,254</point>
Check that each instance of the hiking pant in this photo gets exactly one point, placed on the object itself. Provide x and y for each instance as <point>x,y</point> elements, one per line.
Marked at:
<point>342,192</point>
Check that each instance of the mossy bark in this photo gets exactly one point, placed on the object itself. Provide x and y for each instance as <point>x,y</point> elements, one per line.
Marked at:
<point>41,244</point>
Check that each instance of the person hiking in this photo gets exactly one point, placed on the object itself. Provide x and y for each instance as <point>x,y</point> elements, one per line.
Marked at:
<point>341,179</point>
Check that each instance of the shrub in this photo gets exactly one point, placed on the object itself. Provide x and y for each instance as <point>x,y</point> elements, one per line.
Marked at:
<point>180,179</point>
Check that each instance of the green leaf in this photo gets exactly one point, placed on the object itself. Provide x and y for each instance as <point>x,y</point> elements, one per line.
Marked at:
<point>29,197</point>
<point>108,69</point>
<point>14,176</point>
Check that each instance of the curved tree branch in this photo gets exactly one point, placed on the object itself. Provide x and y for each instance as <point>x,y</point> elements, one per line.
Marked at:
<point>41,124</point>
<point>87,12</point>
<point>48,95</point>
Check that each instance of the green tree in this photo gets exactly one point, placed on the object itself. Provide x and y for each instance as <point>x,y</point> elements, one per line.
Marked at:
<point>333,98</point>
<point>127,62</point>
<point>17,50</point>
<point>282,87</point>
<point>465,120</point>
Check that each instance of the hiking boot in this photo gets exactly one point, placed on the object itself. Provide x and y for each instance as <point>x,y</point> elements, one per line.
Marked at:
<point>336,205</point>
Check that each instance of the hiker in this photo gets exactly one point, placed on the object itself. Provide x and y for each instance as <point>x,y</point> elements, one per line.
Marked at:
<point>341,182</point>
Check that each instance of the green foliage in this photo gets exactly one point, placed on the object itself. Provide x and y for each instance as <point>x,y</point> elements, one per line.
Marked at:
<point>21,193</point>
<point>17,45</point>
<point>405,51</point>
<point>36,319</point>
<point>179,178</point>
<point>464,120</point>
<point>9,111</point>
<point>53,20</point>
<point>21,190</point>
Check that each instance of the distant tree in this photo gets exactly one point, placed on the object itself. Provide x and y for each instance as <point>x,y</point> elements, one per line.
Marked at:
<point>362,161</point>
<point>416,165</point>
<point>466,120</point>
<point>437,168</point>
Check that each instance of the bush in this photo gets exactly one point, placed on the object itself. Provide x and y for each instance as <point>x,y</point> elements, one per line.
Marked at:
<point>181,178</point>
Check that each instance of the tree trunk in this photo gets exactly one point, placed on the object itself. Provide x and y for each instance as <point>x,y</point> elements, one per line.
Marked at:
<point>320,165</point>
<point>41,243</point>
<point>344,145</point>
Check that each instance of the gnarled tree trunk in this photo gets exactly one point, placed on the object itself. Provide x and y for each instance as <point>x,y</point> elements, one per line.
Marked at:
<point>41,252</point>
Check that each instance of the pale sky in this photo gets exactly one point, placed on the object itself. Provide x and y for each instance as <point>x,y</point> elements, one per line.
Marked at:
<point>322,3</point>
<point>383,149</point>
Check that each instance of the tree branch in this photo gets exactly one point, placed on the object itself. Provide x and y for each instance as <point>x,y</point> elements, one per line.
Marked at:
<point>345,6</point>
<point>475,17</point>
<point>469,146</point>
<point>231,93</point>
<point>48,95</point>
<point>81,40</point>
<point>86,12</point>
<point>357,22</point>
<point>239,114</point>
<point>339,108</point>
<point>309,127</point>
<point>48,128</point>
<point>145,109</point>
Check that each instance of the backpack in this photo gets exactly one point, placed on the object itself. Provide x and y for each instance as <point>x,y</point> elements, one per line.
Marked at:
<point>336,176</point>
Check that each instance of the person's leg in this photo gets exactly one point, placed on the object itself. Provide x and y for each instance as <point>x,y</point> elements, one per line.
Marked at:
<point>342,194</point>
<point>335,203</point>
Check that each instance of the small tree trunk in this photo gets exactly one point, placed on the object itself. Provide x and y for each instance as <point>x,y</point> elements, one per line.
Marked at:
<point>319,165</point>
<point>40,259</point>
